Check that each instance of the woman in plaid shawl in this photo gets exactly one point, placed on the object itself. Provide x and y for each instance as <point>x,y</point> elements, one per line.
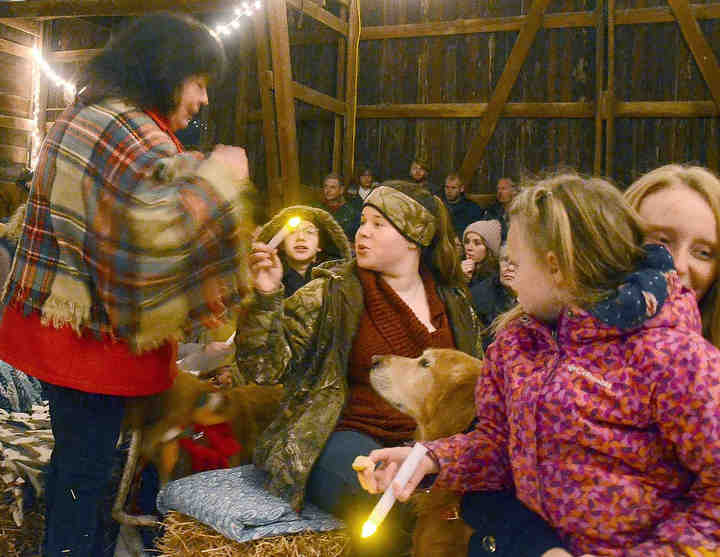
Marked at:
<point>127,244</point>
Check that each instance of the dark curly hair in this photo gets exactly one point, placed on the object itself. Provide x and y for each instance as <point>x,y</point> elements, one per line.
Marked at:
<point>149,60</point>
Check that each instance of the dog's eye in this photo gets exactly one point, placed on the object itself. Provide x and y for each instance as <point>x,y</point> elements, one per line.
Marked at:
<point>425,362</point>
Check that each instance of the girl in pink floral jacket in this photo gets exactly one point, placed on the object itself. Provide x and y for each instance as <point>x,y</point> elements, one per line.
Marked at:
<point>600,403</point>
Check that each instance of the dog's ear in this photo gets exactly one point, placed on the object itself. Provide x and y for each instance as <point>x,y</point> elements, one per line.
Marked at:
<point>453,408</point>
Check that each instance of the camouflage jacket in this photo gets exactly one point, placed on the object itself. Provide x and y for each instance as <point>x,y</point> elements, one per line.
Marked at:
<point>304,342</point>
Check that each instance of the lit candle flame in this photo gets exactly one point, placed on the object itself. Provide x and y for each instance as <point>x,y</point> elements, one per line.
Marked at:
<point>290,225</point>
<point>368,529</point>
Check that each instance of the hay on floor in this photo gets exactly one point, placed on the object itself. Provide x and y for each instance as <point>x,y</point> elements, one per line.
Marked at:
<point>186,537</point>
<point>21,541</point>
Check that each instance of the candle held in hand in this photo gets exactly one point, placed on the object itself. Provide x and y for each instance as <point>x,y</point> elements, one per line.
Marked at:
<point>291,225</point>
<point>387,500</point>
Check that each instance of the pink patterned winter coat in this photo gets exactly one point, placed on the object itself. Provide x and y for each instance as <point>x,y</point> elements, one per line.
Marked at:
<point>612,436</point>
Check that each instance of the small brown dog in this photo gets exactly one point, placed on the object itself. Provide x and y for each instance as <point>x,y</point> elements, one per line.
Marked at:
<point>438,391</point>
<point>158,422</point>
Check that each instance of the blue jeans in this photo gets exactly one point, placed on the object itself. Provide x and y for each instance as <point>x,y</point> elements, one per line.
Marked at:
<point>86,427</point>
<point>504,527</point>
<point>333,486</point>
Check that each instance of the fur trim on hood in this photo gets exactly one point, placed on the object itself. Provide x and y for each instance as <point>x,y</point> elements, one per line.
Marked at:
<point>330,230</point>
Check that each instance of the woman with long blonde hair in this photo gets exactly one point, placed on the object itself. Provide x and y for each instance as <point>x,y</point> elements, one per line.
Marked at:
<point>680,206</point>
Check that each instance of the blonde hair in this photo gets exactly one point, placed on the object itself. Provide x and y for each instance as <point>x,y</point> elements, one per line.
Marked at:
<point>707,185</point>
<point>594,233</point>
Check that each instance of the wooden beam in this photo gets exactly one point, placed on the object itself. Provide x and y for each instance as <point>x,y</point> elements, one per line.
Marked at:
<point>320,14</point>
<point>477,110</point>
<point>267,114</point>
<point>26,25</point>
<point>475,25</point>
<point>14,104</point>
<point>499,97</point>
<point>663,14</point>
<point>14,153</point>
<point>351,83</point>
<point>78,8</point>
<point>284,99</point>
<point>16,123</point>
<point>63,56</point>
<point>316,98</point>
<point>15,49</point>
<point>701,50</point>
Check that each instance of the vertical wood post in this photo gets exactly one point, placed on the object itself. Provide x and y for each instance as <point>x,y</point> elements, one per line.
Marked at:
<point>284,99</point>
<point>340,93</point>
<point>599,83</point>
<point>351,89</point>
<point>272,163</point>
<point>609,100</point>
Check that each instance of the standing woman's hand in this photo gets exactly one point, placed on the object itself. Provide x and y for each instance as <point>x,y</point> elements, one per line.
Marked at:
<point>265,268</point>
<point>468,268</point>
<point>232,157</point>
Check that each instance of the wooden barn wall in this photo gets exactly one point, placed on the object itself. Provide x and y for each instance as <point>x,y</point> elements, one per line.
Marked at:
<point>16,90</point>
<point>652,63</point>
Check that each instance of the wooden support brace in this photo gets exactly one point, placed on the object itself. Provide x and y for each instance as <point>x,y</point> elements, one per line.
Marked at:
<point>499,97</point>
<point>701,50</point>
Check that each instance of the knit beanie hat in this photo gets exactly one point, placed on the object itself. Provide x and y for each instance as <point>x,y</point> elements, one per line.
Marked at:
<point>409,207</point>
<point>489,231</point>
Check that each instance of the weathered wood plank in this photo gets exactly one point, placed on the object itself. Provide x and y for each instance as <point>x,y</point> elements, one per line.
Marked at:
<point>502,91</point>
<point>14,153</point>
<point>704,55</point>
<point>609,97</point>
<point>473,25</point>
<point>65,56</point>
<point>338,126</point>
<point>599,83</point>
<point>16,49</point>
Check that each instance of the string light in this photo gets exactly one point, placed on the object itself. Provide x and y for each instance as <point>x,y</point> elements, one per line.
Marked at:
<point>246,9</point>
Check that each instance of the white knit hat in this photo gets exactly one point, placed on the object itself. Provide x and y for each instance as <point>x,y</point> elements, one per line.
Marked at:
<point>490,231</point>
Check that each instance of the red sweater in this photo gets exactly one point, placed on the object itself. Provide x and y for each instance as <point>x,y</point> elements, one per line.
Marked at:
<point>388,326</point>
<point>64,358</point>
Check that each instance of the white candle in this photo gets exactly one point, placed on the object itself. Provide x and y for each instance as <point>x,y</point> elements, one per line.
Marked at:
<point>291,225</point>
<point>407,469</point>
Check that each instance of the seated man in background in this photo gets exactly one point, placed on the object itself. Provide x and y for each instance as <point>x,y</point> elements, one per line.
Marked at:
<point>463,212</point>
<point>420,173</point>
<point>345,211</point>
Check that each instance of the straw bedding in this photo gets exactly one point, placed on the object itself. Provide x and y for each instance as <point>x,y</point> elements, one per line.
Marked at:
<point>185,537</point>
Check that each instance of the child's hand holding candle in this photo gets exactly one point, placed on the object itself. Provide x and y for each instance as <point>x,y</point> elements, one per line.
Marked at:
<point>265,266</point>
<point>291,225</point>
<point>413,468</point>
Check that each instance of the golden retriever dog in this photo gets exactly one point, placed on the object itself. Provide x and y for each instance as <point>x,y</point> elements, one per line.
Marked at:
<point>158,422</point>
<point>438,391</point>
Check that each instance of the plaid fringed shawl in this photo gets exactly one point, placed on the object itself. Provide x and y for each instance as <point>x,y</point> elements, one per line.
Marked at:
<point>125,236</point>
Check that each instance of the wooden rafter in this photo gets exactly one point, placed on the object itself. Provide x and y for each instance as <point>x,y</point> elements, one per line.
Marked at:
<point>701,50</point>
<point>81,55</point>
<point>501,93</point>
